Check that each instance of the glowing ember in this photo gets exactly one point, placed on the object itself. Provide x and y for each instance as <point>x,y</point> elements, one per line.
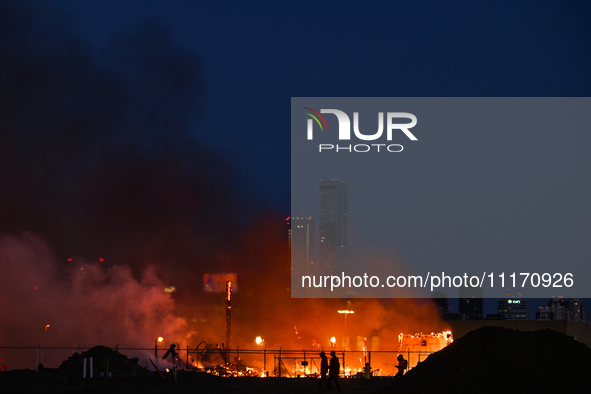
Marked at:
<point>169,289</point>
<point>448,336</point>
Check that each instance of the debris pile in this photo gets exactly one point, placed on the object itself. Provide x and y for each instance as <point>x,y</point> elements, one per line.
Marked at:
<point>105,361</point>
<point>500,360</point>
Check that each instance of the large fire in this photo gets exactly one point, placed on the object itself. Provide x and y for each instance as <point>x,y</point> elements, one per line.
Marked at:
<point>109,305</point>
<point>415,348</point>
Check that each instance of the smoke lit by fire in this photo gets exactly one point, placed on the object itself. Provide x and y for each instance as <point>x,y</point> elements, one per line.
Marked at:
<point>92,304</point>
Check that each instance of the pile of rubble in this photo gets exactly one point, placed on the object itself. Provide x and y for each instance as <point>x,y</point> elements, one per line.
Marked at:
<point>105,361</point>
<point>500,360</point>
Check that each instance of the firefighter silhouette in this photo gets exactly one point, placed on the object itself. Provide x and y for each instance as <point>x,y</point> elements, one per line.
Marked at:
<point>402,365</point>
<point>323,370</point>
<point>333,371</point>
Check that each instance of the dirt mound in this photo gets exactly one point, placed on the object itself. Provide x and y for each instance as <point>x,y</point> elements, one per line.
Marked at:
<point>500,360</point>
<point>105,360</point>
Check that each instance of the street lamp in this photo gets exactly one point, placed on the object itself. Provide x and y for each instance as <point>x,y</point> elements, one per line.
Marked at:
<point>261,342</point>
<point>156,342</point>
<point>345,312</point>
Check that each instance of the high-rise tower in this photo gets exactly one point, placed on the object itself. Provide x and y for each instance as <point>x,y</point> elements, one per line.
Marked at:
<point>471,302</point>
<point>303,237</point>
<point>333,226</point>
<point>513,309</point>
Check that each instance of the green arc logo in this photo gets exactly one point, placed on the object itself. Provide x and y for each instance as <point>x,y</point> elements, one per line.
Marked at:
<point>315,117</point>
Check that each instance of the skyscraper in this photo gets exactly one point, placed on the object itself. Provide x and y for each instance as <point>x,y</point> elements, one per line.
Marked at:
<point>333,226</point>
<point>442,303</point>
<point>571,309</point>
<point>303,245</point>
<point>513,309</point>
<point>575,310</point>
<point>471,303</point>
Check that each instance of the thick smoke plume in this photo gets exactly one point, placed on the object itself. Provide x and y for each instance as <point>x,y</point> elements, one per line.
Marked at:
<point>106,198</point>
<point>79,305</point>
<point>99,163</point>
<point>98,152</point>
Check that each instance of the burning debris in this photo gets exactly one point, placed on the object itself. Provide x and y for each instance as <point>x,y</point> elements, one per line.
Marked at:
<point>207,355</point>
<point>216,360</point>
<point>228,313</point>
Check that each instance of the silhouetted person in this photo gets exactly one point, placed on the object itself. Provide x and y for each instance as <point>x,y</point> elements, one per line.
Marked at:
<point>402,365</point>
<point>333,371</point>
<point>323,370</point>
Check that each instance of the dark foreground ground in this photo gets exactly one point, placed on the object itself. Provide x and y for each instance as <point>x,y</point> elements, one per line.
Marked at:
<point>25,381</point>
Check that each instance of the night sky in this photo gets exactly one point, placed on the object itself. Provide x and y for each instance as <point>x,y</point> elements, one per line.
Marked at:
<point>254,58</point>
<point>202,90</point>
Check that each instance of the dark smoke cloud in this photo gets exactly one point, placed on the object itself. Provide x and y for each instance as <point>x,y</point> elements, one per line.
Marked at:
<point>98,159</point>
<point>97,153</point>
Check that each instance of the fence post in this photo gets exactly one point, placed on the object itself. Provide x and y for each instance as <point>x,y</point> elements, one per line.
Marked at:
<point>156,352</point>
<point>305,365</point>
<point>265,374</point>
<point>37,365</point>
